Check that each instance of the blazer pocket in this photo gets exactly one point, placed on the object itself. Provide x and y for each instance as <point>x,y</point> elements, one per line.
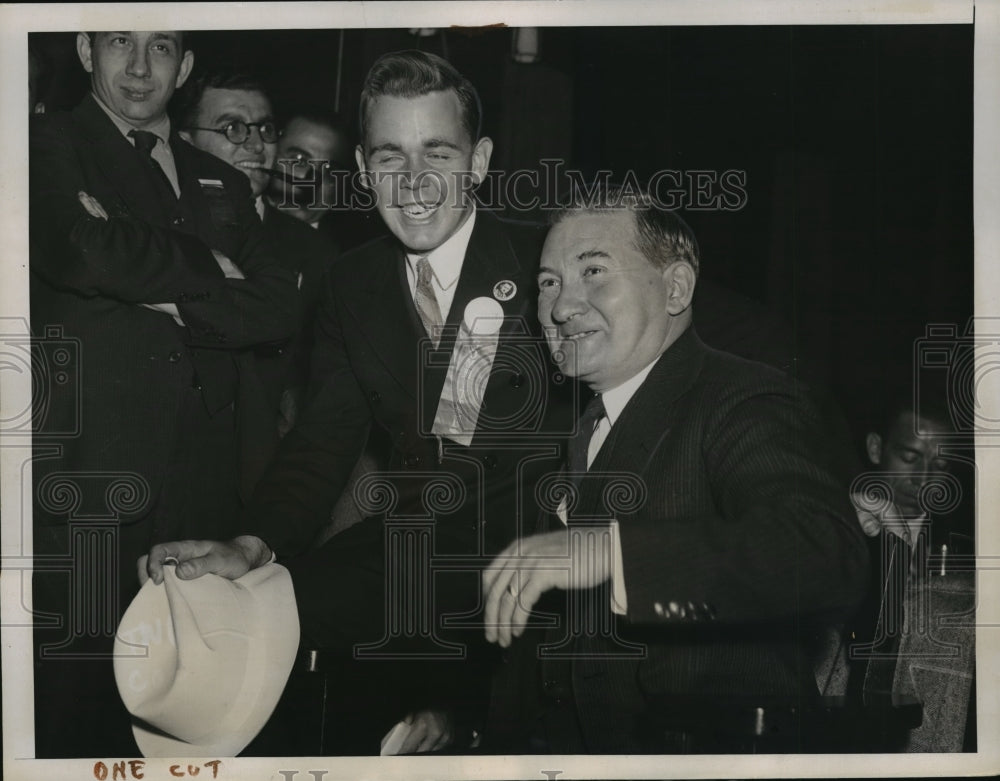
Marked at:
<point>220,205</point>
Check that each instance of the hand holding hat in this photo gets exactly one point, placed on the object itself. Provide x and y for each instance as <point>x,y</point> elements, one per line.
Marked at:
<point>201,663</point>
<point>195,558</point>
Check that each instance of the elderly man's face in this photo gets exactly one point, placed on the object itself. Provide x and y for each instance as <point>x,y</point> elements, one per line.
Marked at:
<point>908,456</point>
<point>219,108</point>
<point>422,164</point>
<point>303,142</point>
<point>135,73</point>
<point>606,310</point>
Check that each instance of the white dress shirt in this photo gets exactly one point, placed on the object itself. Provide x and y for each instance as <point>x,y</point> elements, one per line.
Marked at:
<point>161,153</point>
<point>446,265</point>
<point>615,401</point>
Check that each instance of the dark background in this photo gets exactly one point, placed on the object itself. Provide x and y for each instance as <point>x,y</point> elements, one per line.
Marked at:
<point>856,143</point>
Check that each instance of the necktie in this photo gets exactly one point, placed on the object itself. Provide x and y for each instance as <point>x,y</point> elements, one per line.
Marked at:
<point>580,442</point>
<point>144,142</point>
<point>426,302</point>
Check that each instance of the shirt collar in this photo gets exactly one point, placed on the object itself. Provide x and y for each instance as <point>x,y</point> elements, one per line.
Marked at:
<point>446,260</point>
<point>259,206</point>
<point>160,128</point>
<point>616,398</point>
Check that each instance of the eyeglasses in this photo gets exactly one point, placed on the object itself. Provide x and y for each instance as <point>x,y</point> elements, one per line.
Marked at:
<point>238,131</point>
<point>326,167</point>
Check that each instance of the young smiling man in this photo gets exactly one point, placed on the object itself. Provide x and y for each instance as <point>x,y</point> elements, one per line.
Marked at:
<point>388,356</point>
<point>147,254</point>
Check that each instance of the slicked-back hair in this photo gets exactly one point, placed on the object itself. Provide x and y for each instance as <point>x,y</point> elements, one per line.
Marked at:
<point>412,74</point>
<point>186,104</point>
<point>660,234</point>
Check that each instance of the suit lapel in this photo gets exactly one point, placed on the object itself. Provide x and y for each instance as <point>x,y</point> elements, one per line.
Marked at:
<point>391,324</point>
<point>489,259</point>
<point>192,199</point>
<point>121,164</point>
<point>388,319</point>
<point>633,440</point>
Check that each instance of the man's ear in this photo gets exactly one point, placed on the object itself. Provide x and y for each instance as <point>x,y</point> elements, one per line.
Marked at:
<point>359,158</point>
<point>873,447</point>
<point>680,278</point>
<point>84,51</point>
<point>481,154</point>
<point>187,63</point>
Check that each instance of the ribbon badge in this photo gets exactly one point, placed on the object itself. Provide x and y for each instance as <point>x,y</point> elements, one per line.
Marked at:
<point>469,371</point>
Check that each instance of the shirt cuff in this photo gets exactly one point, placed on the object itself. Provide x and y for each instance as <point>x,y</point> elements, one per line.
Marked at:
<point>619,599</point>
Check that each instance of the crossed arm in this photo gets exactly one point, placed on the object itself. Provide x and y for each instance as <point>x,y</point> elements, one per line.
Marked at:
<point>85,241</point>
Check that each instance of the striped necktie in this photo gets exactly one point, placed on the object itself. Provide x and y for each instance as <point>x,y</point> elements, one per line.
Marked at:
<point>579,444</point>
<point>426,302</point>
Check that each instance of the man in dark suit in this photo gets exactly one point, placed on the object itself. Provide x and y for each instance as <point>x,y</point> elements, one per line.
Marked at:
<point>429,336</point>
<point>148,260</point>
<point>229,114</point>
<point>703,528</point>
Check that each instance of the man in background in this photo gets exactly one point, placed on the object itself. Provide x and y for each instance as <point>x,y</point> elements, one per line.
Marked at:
<point>229,115</point>
<point>149,264</point>
<point>313,182</point>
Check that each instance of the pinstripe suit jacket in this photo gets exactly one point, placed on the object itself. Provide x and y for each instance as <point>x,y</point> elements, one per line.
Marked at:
<point>733,531</point>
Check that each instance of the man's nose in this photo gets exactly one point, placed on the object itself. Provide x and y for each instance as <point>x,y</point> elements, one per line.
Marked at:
<point>138,63</point>
<point>568,304</point>
<point>255,141</point>
<point>418,176</point>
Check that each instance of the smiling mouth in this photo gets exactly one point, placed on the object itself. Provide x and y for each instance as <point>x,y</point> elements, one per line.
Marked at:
<point>252,165</point>
<point>419,212</point>
<point>136,95</point>
<point>578,336</point>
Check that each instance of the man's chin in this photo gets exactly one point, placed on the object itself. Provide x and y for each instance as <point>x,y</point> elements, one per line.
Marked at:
<point>418,240</point>
<point>258,184</point>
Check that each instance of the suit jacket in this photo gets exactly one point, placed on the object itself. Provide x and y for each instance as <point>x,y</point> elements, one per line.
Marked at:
<point>130,366</point>
<point>733,530</point>
<point>369,369</point>
<point>302,251</point>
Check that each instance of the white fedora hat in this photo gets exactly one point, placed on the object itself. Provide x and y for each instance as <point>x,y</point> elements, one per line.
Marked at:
<point>202,663</point>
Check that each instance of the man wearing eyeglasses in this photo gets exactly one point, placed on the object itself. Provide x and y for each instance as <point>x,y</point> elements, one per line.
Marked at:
<point>151,273</point>
<point>228,114</point>
<point>313,182</point>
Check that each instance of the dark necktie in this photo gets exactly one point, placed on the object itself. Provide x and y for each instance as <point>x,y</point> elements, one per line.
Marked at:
<point>580,442</point>
<point>144,142</point>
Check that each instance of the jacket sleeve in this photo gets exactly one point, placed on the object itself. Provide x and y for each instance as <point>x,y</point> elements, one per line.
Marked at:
<point>126,259</point>
<point>295,498</point>
<point>780,541</point>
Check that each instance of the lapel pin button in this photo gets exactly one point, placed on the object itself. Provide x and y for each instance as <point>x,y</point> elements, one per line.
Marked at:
<point>504,290</point>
